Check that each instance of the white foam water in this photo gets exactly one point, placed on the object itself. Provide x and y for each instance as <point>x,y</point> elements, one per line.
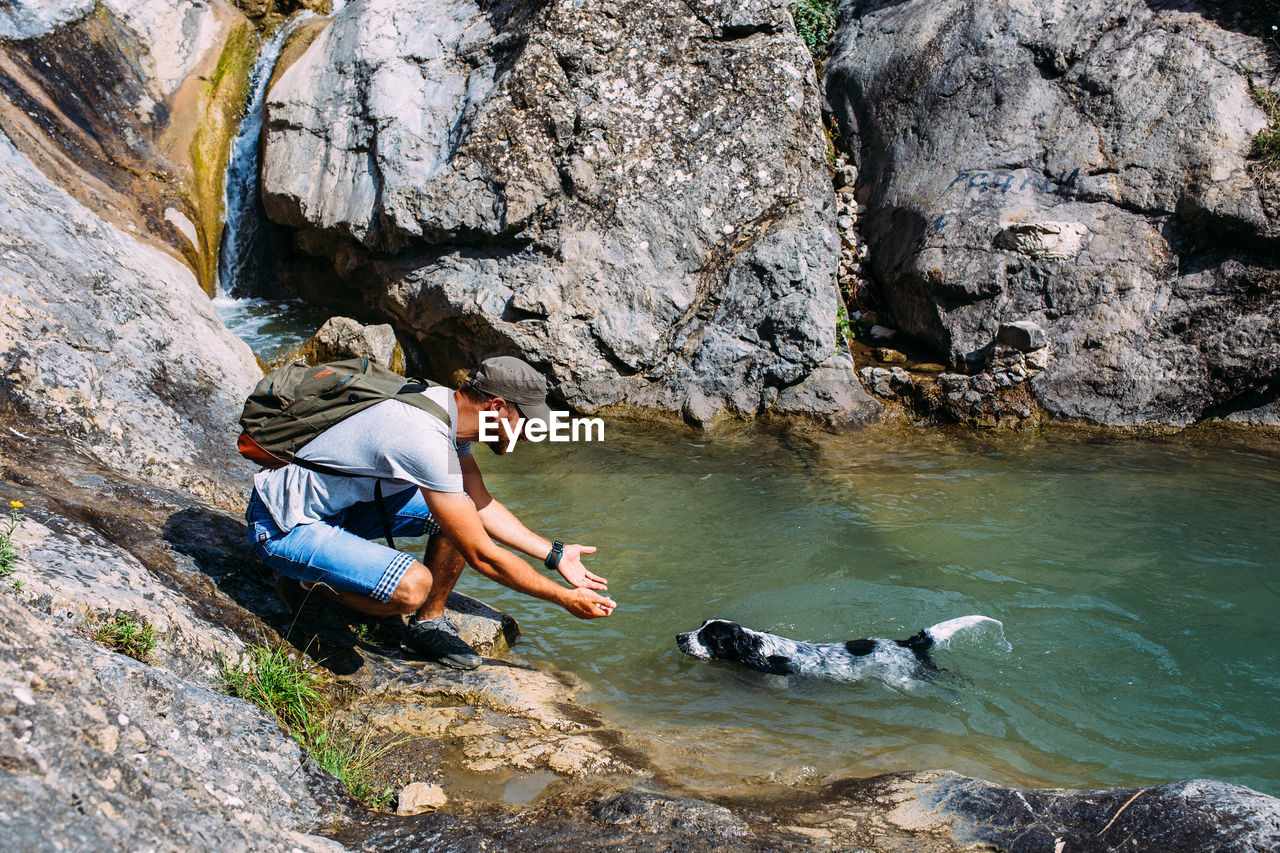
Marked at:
<point>242,250</point>
<point>944,631</point>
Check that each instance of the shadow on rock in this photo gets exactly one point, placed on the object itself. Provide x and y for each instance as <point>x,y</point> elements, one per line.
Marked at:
<point>219,547</point>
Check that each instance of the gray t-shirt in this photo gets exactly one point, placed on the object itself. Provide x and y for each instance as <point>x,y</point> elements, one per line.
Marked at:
<point>399,444</point>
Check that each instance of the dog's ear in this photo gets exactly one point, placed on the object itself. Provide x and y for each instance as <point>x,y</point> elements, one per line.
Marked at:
<point>745,643</point>
<point>721,638</point>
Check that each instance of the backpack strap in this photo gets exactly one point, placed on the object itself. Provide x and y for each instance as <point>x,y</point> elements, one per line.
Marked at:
<point>382,511</point>
<point>412,394</point>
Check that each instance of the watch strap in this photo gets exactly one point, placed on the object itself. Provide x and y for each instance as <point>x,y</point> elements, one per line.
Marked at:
<point>553,559</point>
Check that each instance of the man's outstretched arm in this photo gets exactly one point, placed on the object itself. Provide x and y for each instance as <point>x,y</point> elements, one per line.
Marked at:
<point>461,524</point>
<point>502,524</point>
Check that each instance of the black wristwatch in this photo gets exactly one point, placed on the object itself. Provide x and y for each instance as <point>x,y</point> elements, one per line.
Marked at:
<point>553,559</point>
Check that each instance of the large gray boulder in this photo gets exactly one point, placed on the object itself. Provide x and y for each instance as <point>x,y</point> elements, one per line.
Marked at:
<point>114,123</point>
<point>103,752</point>
<point>632,194</point>
<point>110,340</point>
<point>1079,166</point>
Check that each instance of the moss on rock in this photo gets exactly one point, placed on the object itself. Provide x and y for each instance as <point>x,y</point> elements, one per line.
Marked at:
<point>221,105</point>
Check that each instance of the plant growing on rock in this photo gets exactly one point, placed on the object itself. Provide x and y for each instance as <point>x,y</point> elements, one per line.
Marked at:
<point>844,329</point>
<point>135,637</point>
<point>815,22</point>
<point>1266,145</point>
<point>9,551</point>
<point>283,684</point>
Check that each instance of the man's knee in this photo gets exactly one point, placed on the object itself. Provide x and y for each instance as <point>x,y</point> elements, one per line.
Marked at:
<point>412,590</point>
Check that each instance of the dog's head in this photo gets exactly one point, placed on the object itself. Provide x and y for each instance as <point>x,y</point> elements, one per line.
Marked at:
<point>719,639</point>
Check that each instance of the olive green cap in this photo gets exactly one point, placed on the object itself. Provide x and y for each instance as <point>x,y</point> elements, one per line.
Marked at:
<point>514,380</point>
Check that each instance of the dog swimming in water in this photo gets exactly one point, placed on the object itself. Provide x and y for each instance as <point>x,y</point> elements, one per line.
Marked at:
<point>720,639</point>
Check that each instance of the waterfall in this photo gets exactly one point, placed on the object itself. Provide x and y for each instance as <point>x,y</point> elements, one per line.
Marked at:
<point>245,255</point>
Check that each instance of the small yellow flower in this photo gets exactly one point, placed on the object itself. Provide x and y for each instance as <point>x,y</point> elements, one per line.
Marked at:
<point>16,504</point>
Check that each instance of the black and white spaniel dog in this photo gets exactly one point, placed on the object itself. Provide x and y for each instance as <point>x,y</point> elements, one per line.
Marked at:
<point>720,639</point>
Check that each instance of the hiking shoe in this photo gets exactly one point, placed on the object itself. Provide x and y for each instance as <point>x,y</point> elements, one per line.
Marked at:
<point>438,640</point>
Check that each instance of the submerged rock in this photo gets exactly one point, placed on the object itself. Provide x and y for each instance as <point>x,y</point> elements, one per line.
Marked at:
<point>632,194</point>
<point>1082,167</point>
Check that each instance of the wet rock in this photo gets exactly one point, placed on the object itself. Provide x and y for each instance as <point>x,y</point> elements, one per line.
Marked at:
<point>889,356</point>
<point>832,394</point>
<point>878,380</point>
<point>700,410</point>
<point>1096,183</point>
<point>618,155</point>
<point>488,631</point>
<point>655,812</point>
<point>420,797</point>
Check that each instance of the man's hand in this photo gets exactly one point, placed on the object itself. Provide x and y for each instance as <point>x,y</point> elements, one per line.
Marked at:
<point>587,604</point>
<point>572,570</point>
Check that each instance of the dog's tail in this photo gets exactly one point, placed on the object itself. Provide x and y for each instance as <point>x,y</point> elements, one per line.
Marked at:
<point>941,633</point>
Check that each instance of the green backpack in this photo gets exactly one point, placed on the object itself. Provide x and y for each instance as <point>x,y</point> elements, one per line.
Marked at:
<point>295,403</point>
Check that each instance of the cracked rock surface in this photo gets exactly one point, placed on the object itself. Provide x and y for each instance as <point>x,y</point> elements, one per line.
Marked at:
<point>1083,167</point>
<point>632,194</point>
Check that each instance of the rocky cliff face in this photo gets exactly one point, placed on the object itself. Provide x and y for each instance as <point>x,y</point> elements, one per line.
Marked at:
<point>130,107</point>
<point>105,333</point>
<point>632,194</point>
<point>1080,167</point>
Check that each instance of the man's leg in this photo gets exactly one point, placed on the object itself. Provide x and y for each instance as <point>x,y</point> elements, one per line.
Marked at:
<point>422,591</point>
<point>407,597</point>
<point>430,632</point>
<point>445,563</point>
<point>409,517</point>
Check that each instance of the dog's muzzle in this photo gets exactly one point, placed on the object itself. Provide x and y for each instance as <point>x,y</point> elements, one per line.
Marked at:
<point>688,643</point>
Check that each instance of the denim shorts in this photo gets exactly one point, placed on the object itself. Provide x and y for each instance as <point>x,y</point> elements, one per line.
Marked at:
<point>338,551</point>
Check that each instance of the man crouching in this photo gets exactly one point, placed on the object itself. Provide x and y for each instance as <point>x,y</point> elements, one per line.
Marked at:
<point>317,527</point>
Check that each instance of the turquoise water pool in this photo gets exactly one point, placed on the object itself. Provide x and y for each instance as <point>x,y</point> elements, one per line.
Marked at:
<point>1137,582</point>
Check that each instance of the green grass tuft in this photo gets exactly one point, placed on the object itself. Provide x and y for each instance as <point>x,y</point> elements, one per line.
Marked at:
<point>284,684</point>
<point>135,637</point>
<point>815,22</point>
<point>351,758</point>
<point>1266,144</point>
<point>277,681</point>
